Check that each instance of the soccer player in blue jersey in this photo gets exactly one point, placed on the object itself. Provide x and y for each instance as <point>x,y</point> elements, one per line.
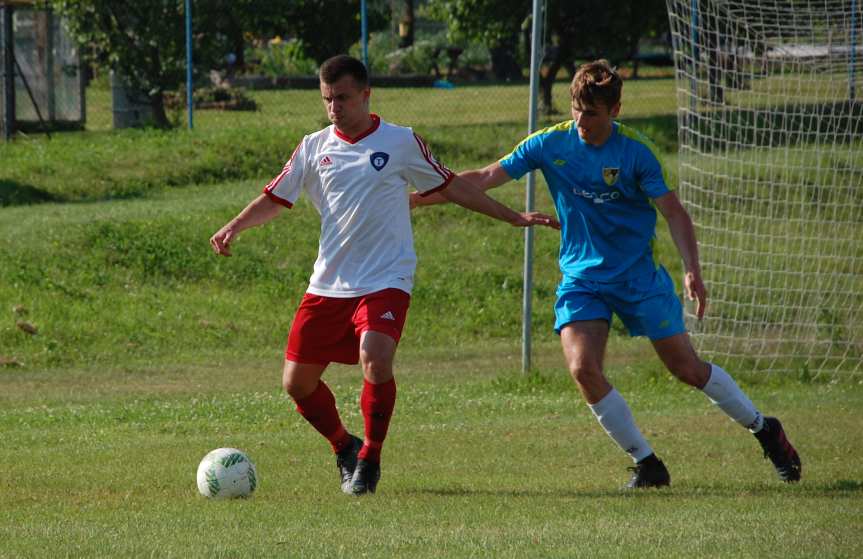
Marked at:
<point>606,180</point>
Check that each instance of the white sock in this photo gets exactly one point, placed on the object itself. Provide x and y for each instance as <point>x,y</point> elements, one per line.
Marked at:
<point>614,415</point>
<point>724,392</point>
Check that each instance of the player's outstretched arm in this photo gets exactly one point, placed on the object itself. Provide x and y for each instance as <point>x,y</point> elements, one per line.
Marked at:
<point>489,177</point>
<point>468,196</point>
<point>683,234</point>
<point>259,211</point>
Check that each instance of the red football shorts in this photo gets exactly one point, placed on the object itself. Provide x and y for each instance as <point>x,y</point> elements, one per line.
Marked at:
<point>328,329</point>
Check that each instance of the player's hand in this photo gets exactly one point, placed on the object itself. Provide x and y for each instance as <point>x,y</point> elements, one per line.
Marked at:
<point>527,219</point>
<point>695,291</point>
<point>221,241</point>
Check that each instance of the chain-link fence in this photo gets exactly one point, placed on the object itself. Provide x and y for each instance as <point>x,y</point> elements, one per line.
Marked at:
<point>481,77</point>
<point>436,84</point>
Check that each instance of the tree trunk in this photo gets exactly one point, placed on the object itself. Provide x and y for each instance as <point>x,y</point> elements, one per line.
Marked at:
<point>503,61</point>
<point>238,46</point>
<point>546,81</point>
<point>406,25</point>
<point>157,104</point>
<point>239,53</point>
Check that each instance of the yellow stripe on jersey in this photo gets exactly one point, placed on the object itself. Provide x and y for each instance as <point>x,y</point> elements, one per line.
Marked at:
<point>559,127</point>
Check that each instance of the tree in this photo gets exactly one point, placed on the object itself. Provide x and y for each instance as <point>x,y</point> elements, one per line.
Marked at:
<point>326,28</point>
<point>494,23</point>
<point>329,28</point>
<point>591,29</point>
<point>575,29</point>
<point>145,40</point>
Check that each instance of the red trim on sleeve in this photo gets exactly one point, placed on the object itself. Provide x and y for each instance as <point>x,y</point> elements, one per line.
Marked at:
<point>268,190</point>
<point>272,184</point>
<point>440,169</point>
<point>285,170</point>
<point>376,122</point>
<point>278,200</point>
<point>445,184</point>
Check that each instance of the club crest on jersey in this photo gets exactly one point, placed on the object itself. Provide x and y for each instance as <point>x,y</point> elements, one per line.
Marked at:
<point>610,174</point>
<point>379,160</point>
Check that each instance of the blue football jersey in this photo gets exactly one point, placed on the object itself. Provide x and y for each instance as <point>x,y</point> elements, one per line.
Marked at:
<point>602,196</point>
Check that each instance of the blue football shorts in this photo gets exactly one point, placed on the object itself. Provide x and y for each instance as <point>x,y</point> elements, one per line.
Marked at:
<point>648,305</point>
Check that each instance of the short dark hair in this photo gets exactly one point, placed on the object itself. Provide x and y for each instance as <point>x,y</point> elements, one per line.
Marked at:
<point>596,82</point>
<point>335,68</point>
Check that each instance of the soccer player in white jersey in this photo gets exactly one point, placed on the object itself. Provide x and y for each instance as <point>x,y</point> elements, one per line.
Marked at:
<point>356,173</point>
<point>605,180</point>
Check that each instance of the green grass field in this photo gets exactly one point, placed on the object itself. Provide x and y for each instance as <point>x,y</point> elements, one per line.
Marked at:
<point>150,352</point>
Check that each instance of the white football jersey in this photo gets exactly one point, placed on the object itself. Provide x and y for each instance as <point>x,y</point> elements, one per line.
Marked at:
<point>359,186</point>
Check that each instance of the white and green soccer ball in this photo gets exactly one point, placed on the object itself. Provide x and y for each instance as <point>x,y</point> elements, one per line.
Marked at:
<point>226,473</point>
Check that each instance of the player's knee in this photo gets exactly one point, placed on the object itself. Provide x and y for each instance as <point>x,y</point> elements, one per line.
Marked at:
<point>296,387</point>
<point>695,372</point>
<point>290,386</point>
<point>584,373</point>
<point>376,364</point>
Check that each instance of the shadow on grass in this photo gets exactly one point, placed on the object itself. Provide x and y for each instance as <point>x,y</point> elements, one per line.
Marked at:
<point>840,488</point>
<point>833,489</point>
<point>504,492</point>
<point>16,194</point>
<point>845,486</point>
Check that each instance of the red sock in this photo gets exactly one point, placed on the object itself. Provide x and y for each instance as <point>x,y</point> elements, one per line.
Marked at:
<point>319,409</point>
<point>377,403</point>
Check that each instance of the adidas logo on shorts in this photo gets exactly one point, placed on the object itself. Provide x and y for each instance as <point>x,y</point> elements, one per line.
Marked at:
<point>388,315</point>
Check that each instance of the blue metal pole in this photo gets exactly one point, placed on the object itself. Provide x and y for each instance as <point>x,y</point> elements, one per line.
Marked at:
<point>852,70</point>
<point>364,26</point>
<point>189,86</point>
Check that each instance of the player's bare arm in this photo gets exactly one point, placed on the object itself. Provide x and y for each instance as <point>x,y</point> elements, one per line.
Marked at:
<point>491,176</point>
<point>469,196</point>
<point>683,234</point>
<point>259,211</point>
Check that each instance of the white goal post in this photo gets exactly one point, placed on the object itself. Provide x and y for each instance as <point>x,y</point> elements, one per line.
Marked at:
<point>770,165</point>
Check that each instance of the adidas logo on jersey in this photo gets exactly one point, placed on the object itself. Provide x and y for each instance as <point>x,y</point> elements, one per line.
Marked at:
<point>326,161</point>
<point>388,316</point>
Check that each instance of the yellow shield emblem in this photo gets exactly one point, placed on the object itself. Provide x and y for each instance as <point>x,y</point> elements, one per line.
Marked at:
<point>610,174</point>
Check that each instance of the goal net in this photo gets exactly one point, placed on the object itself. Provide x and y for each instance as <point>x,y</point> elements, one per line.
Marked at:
<point>770,115</point>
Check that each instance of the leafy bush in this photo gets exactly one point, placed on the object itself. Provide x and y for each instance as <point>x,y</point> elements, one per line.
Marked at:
<point>283,58</point>
<point>386,58</point>
<point>427,55</point>
<point>420,58</point>
<point>380,45</point>
<point>212,97</point>
<point>475,56</point>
